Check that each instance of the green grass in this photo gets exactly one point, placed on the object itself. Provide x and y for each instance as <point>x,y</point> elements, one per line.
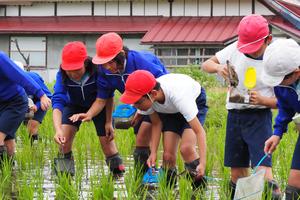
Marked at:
<point>27,179</point>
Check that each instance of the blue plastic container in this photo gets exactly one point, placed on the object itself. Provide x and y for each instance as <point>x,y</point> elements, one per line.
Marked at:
<point>123,114</point>
<point>152,176</point>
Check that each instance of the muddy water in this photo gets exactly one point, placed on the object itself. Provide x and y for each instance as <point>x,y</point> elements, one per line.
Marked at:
<point>91,169</point>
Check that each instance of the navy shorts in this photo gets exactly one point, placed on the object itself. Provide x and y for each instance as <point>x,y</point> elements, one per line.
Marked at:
<point>177,123</point>
<point>145,118</point>
<point>246,133</point>
<point>99,120</point>
<point>296,156</point>
<point>12,113</point>
<point>39,115</point>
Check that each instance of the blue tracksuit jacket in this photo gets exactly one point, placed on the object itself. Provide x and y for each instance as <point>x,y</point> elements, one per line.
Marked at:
<point>69,92</point>
<point>288,104</point>
<point>14,80</point>
<point>38,79</point>
<point>136,60</point>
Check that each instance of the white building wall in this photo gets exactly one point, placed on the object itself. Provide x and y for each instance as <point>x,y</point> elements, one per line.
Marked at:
<point>219,8</point>
<point>204,8</point>
<point>65,9</point>
<point>134,44</point>
<point>191,8</point>
<point>99,8</point>
<point>124,8</point>
<point>245,7</point>
<point>232,8</point>
<point>138,8</point>
<point>142,8</point>
<point>261,9</point>
<point>163,8</point>
<point>151,8</point>
<point>55,43</point>
<point>178,8</point>
<point>12,10</point>
<point>38,9</point>
<point>112,8</point>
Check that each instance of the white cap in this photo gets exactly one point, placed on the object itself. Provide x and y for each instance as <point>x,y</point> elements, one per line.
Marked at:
<point>19,64</point>
<point>280,58</point>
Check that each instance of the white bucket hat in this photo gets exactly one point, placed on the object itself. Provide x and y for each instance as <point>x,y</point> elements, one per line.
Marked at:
<point>280,58</point>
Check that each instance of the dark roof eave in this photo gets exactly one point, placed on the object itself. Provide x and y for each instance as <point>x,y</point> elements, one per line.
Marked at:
<point>286,31</point>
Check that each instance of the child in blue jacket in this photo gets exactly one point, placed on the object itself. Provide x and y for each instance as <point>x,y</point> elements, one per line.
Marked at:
<point>39,114</point>
<point>75,91</point>
<point>281,70</point>
<point>117,63</point>
<point>14,103</point>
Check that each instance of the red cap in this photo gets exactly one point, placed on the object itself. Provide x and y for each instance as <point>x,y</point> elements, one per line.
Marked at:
<point>138,84</point>
<point>252,31</point>
<point>107,47</point>
<point>73,56</point>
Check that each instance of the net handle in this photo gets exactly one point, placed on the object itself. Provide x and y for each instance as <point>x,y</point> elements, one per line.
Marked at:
<point>259,163</point>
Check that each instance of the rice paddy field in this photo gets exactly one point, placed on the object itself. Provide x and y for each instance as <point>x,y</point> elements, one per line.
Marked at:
<point>32,176</point>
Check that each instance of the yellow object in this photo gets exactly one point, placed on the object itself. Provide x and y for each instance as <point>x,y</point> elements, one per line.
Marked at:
<point>250,78</point>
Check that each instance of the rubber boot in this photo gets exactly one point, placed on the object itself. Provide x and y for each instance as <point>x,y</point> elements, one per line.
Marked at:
<point>3,154</point>
<point>115,164</point>
<point>197,183</point>
<point>274,188</point>
<point>292,193</point>
<point>232,187</point>
<point>65,164</point>
<point>141,155</point>
<point>33,138</point>
<point>171,176</point>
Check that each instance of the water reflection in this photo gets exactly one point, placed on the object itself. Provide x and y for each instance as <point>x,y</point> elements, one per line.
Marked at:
<point>49,181</point>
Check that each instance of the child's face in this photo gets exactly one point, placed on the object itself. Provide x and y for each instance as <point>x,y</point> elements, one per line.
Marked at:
<point>76,74</point>
<point>262,49</point>
<point>291,78</point>
<point>111,66</point>
<point>144,103</point>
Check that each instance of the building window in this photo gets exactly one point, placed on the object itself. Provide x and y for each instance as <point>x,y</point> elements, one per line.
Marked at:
<point>182,56</point>
<point>34,47</point>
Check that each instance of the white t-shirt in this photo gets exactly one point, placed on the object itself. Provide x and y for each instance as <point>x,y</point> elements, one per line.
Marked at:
<point>241,64</point>
<point>181,92</point>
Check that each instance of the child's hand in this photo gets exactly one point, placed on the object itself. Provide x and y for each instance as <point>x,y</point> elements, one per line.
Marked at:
<point>151,160</point>
<point>137,117</point>
<point>256,98</point>
<point>271,144</point>
<point>59,138</point>
<point>80,116</point>
<point>200,170</point>
<point>109,132</point>
<point>33,108</point>
<point>45,102</point>
<point>223,71</point>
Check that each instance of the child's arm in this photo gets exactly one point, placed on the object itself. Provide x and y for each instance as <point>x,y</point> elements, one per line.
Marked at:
<point>155,138</point>
<point>94,110</point>
<point>257,99</point>
<point>212,65</point>
<point>57,119</point>
<point>109,131</point>
<point>201,138</point>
